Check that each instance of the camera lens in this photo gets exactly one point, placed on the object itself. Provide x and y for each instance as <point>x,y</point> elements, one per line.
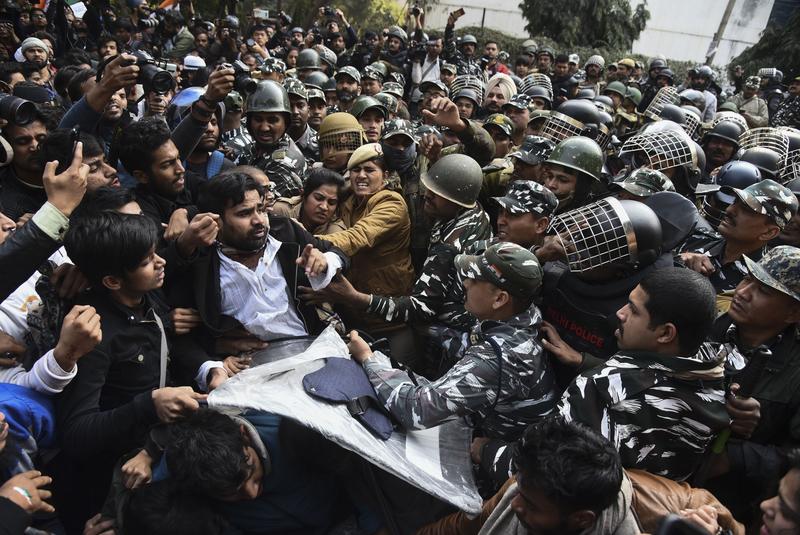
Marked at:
<point>17,110</point>
<point>155,79</point>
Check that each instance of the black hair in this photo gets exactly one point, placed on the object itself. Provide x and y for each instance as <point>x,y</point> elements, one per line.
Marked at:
<point>227,189</point>
<point>571,464</point>
<point>74,90</point>
<point>75,56</point>
<point>162,509</point>
<point>7,68</point>
<point>62,78</point>
<point>434,37</point>
<point>684,298</point>
<point>110,243</point>
<point>561,58</point>
<point>103,199</point>
<point>58,146</point>
<point>321,177</point>
<point>257,28</point>
<point>107,37</point>
<point>175,17</point>
<point>140,140</point>
<point>41,34</point>
<point>491,41</point>
<point>206,454</point>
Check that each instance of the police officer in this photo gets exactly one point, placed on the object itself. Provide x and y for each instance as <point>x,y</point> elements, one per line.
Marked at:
<point>371,115</point>
<point>299,130</point>
<point>570,171</point>
<point>756,216</point>
<point>464,56</point>
<point>721,143</point>
<point>269,115</point>
<point>501,379</point>
<point>639,184</point>
<point>501,129</point>
<point>771,89</point>
<point>735,174</point>
<point>518,109</point>
<point>525,163</point>
<point>452,186</point>
<point>525,213</point>
<point>339,136</point>
<point>348,87</point>
<point>764,314</point>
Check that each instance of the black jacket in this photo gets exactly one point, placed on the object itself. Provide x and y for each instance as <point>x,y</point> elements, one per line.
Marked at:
<point>17,198</point>
<point>107,409</point>
<point>22,254</point>
<point>200,288</point>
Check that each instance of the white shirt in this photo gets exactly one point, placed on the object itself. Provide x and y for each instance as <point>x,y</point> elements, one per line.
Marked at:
<point>417,71</point>
<point>14,310</point>
<point>259,298</point>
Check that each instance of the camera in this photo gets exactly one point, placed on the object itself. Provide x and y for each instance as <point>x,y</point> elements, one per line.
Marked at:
<point>317,35</point>
<point>16,110</point>
<point>154,75</point>
<point>415,10</point>
<point>245,81</point>
<point>485,61</point>
<point>329,12</point>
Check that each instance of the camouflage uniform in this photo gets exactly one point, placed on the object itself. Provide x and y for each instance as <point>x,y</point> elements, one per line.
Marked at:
<point>757,463</point>
<point>237,140</point>
<point>436,295</point>
<point>284,164</point>
<point>660,412</point>
<point>502,378</point>
<point>464,65</point>
<point>308,144</point>
<point>642,182</point>
<point>765,197</point>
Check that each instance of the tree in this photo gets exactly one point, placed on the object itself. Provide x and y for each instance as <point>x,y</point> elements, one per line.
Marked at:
<point>596,23</point>
<point>779,46</point>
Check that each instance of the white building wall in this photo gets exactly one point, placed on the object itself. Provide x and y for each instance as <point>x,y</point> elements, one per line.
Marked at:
<point>684,29</point>
<point>677,29</point>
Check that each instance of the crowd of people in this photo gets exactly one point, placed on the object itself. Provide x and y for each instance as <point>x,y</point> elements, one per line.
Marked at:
<point>594,265</point>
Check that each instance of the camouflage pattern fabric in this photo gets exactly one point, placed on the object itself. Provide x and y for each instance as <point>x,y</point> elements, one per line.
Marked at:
<point>237,140</point>
<point>769,198</point>
<point>660,412</point>
<point>501,395</point>
<point>308,144</point>
<point>284,165</point>
<point>779,269</point>
<point>436,295</point>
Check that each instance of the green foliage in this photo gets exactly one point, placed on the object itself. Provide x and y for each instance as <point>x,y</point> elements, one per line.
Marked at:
<point>779,47</point>
<point>597,23</point>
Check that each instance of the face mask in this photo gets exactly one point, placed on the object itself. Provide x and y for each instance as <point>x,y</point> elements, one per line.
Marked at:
<point>400,160</point>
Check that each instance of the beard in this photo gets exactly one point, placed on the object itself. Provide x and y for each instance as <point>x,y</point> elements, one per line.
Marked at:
<point>249,243</point>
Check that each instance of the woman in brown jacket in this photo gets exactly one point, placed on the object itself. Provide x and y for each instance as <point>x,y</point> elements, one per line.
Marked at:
<point>378,234</point>
<point>317,208</point>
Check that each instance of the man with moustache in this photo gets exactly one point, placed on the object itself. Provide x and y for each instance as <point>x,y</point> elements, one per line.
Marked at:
<point>721,143</point>
<point>245,287</point>
<point>757,216</point>
<point>348,86</point>
<point>269,115</point>
<point>763,314</point>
